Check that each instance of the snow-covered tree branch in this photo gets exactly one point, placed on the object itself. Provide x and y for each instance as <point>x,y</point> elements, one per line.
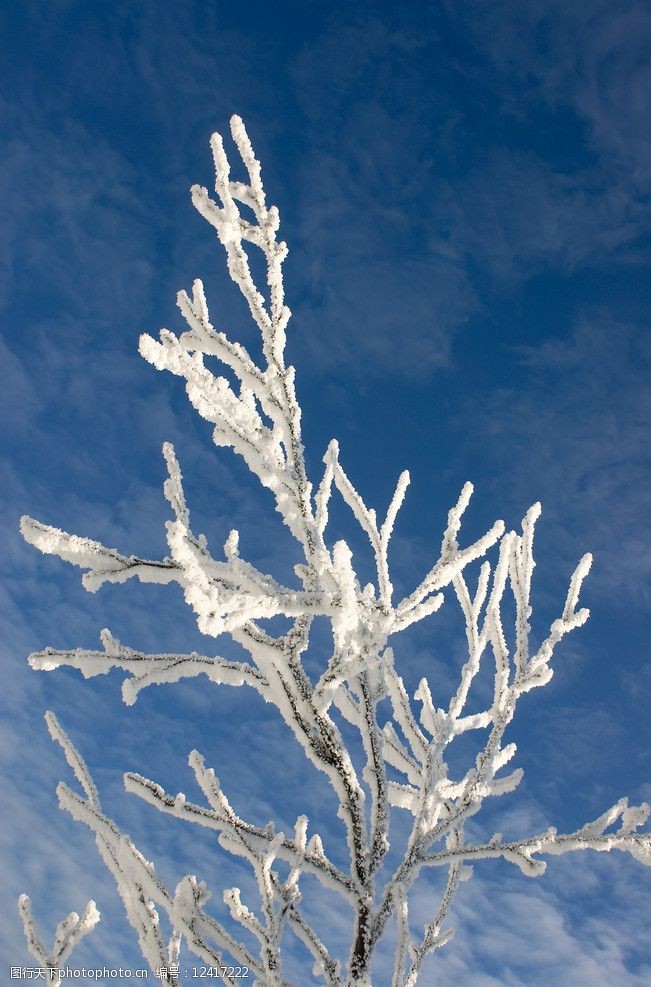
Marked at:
<point>403,739</point>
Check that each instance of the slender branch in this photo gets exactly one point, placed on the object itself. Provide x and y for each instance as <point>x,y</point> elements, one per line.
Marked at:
<point>523,853</point>
<point>69,934</point>
<point>312,861</point>
<point>148,669</point>
<point>105,565</point>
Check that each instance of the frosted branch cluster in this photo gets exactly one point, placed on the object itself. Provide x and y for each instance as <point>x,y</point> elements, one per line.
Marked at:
<point>404,738</point>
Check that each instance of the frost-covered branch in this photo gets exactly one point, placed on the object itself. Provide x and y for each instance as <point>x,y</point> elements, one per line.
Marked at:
<point>221,818</point>
<point>69,933</point>
<point>147,669</point>
<point>273,452</point>
<point>440,804</point>
<point>592,836</point>
<point>433,938</point>
<point>105,565</point>
<point>401,755</point>
<point>223,595</point>
<point>378,537</point>
<point>142,892</point>
<point>451,562</point>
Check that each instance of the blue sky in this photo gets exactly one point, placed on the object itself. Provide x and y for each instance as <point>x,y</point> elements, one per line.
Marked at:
<point>465,191</point>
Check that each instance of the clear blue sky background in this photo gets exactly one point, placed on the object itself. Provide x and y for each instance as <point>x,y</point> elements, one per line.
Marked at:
<point>465,191</point>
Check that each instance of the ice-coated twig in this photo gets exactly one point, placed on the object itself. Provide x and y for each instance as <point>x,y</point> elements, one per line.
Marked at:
<point>378,537</point>
<point>401,759</point>
<point>452,561</point>
<point>69,933</point>
<point>222,819</point>
<point>324,965</point>
<point>592,836</point>
<point>147,669</point>
<point>139,887</point>
<point>433,938</point>
<point>105,565</point>
<point>401,907</point>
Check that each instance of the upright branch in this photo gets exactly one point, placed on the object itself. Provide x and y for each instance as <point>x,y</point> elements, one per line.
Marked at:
<point>400,760</point>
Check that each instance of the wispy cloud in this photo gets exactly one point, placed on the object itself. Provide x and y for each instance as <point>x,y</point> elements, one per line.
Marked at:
<point>592,58</point>
<point>575,426</point>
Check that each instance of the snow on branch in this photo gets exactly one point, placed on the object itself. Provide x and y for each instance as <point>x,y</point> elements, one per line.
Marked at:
<point>69,933</point>
<point>147,669</point>
<point>235,832</point>
<point>451,561</point>
<point>141,890</point>
<point>592,836</point>
<point>105,565</point>
<point>400,758</point>
<point>365,517</point>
